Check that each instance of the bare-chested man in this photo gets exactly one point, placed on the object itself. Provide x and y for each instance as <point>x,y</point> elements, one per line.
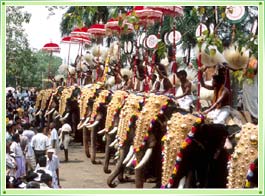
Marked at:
<point>184,100</point>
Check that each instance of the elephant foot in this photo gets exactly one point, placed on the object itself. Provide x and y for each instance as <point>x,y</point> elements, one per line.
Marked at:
<point>107,171</point>
<point>96,162</point>
<point>125,179</point>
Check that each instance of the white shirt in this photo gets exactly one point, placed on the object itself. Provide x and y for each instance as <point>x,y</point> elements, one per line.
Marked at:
<point>16,148</point>
<point>40,142</point>
<point>54,136</point>
<point>29,134</point>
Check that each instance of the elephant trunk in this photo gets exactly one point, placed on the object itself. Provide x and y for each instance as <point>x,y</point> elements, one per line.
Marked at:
<point>107,155</point>
<point>117,171</point>
<point>145,158</point>
<point>85,142</point>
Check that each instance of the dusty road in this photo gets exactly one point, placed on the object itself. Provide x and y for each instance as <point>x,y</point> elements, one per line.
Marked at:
<point>79,172</point>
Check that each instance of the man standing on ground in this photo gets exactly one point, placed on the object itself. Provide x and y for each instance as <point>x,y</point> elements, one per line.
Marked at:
<point>40,144</point>
<point>53,166</point>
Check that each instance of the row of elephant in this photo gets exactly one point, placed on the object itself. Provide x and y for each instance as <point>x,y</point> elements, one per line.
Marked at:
<point>150,134</point>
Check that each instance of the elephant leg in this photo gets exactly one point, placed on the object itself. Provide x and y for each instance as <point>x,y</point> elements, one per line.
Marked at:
<point>107,154</point>
<point>139,178</point>
<point>93,147</point>
<point>85,142</point>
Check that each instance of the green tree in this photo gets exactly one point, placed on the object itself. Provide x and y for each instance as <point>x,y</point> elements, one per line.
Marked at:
<point>18,55</point>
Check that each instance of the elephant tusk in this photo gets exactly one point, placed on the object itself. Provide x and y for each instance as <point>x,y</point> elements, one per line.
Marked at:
<point>38,113</point>
<point>182,183</point>
<point>65,116</point>
<point>57,116</point>
<point>113,143</point>
<point>129,155</point>
<point>85,123</point>
<point>146,157</point>
<point>114,130</point>
<point>92,125</point>
<point>131,161</point>
<point>102,131</point>
<point>48,113</point>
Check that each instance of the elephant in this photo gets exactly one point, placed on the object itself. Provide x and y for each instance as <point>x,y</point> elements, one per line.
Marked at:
<point>45,97</point>
<point>97,122</point>
<point>53,107</point>
<point>203,163</point>
<point>125,135</point>
<point>150,127</point>
<point>69,110</point>
<point>111,124</point>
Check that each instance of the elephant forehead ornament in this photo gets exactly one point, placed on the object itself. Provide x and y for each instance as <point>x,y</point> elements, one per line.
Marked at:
<point>128,115</point>
<point>101,99</point>
<point>66,93</point>
<point>186,142</point>
<point>46,95</point>
<point>87,93</point>
<point>246,151</point>
<point>39,98</point>
<point>154,106</point>
<point>114,108</point>
<point>177,128</point>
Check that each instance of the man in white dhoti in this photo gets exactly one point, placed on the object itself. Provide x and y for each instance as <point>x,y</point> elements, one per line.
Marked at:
<point>65,138</point>
<point>220,108</point>
<point>185,100</point>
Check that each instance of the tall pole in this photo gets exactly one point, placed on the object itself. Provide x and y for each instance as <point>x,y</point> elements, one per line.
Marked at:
<point>199,73</point>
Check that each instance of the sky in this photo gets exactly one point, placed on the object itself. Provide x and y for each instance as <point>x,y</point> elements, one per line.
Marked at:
<point>43,29</point>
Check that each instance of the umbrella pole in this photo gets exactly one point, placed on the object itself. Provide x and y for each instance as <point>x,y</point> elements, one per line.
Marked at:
<point>68,64</point>
<point>199,74</point>
<point>49,66</point>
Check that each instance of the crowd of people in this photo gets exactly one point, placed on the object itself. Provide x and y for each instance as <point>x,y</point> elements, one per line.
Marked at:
<point>31,160</point>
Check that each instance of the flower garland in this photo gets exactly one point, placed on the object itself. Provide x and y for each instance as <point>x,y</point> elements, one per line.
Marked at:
<point>184,145</point>
<point>153,121</point>
<point>250,174</point>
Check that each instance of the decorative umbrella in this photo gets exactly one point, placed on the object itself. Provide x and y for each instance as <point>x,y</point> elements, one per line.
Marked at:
<point>50,47</point>
<point>97,30</point>
<point>80,32</point>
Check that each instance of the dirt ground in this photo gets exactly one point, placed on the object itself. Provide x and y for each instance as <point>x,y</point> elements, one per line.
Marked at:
<point>79,172</point>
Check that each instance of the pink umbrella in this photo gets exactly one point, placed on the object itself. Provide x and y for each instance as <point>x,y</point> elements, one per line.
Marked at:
<point>174,11</point>
<point>50,47</point>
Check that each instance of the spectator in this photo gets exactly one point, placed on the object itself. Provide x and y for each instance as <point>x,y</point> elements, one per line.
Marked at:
<point>54,139</point>
<point>39,143</point>
<point>53,166</point>
<point>11,165</point>
<point>20,159</point>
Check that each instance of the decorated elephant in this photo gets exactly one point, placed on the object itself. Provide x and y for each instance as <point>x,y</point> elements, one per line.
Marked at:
<point>111,124</point>
<point>201,160</point>
<point>89,94</point>
<point>97,122</point>
<point>53,107</point>
<point>45,96</point>
<point>69,109</point>
<point>125,135</point>
<point>150,128</point>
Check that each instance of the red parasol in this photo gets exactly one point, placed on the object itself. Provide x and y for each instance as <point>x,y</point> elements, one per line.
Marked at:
<point>174,11</point>
<point>97,30</point>
<point>147,16</point>
<point>80,32</point>
<point>50,47</point>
